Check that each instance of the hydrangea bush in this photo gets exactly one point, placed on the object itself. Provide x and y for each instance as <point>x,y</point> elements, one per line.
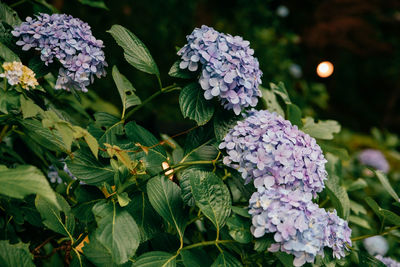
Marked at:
<point>254,182</point>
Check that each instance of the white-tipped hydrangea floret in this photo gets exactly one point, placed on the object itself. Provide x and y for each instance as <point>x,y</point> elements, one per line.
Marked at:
<point>70,41</point>
<point>268,149</point>
<point>228,69</point>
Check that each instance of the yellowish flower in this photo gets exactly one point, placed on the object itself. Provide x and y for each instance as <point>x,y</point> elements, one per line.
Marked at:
<point>16,73</point>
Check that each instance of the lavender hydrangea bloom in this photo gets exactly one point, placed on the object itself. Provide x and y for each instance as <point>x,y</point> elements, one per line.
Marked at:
<point>287,168</point>
<point>388,261</point>
<point>376,245</point>
<point>70,41</point>
<point>375,159</point>
<point>229,70</point>
<point>300,227</point>
<point>268,149</point>
<point>54,176</point>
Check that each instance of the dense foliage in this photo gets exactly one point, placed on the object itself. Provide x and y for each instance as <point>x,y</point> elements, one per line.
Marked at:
<point>256,181</point>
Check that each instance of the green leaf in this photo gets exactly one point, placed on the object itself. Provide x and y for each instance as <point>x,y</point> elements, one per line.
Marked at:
<point>244,212</point>
<point>95,3</point>
<point>211,195</point>
<point>336,192</point>
<point>53,218</point>
<point>8,15</point>
<point>43,136</point>
<point>145,216</point>
<point>15,255</point>
<point>177,72</point>
<point>374,206</point>
<point>321,129</point>
<point>117,231</point>
<point>226,260</point>
<point>280,90</point>
<point>339,152</point>
<point>271,102</point>
<point>106,129</point>
<point>294,114</point>
<point>285,259</point>
<point>368,260</point>
<point>223,123</point>
<point>29,108</point>
<point>383,214</point>
<point>357,208</point>
<point>195,258</point>
<point>262,244</point>
<point>359,221</point>
<point>195,140</point>
<point>25,180</point>
<point>356,185</point>
<point>87,168</point>
<point>386,184</point>
<point>7,54</point>
<point>125,89</point>
<point>193,104</point>
<point>98,254</point>
<point>186,188</point>
<point>155,259</point>
<point>165,197</point>
<point>239,229</point>
<point>135,51</point>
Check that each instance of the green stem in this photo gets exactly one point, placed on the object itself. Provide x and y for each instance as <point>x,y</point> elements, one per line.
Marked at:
<point>5,84</point>
<point>163,90</point>
<point>18,3</point>
<point>384,233</point>
<point>3,132</point>
<point>208,243</point>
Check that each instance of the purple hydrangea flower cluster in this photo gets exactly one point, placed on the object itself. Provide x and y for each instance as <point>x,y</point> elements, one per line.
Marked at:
<point>388,261</point>
<point>375,159</point>
<point>268,149</point>
<point>70,41</point>
<point>229,70</point>
<point>287,168</point>
<point>54,175</point>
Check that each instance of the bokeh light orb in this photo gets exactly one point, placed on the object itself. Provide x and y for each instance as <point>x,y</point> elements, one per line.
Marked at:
<point>324,69</point>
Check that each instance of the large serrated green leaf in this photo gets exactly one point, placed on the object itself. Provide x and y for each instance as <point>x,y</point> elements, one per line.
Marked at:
<point>211,195</point>
<point>25,180</point>
<point>98,254</point>
<point>7,54</point>
<point>52,217</point>
<point>135,52</point>
<point>117,231</point>
<point>125,89</point>
<point>165,197</point>
<point>271,101</point>
<point>239,229</point>
<point>193,104</point>
<point>321,129</point>
<point>15,255</point>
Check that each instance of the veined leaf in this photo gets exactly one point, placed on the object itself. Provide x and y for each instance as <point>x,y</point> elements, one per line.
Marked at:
<point>271,102</point>
<point>239,229</point>
<point>125,89</point>
<point>25,180</point>
<point>294,114</point>
<point>386,184</point>
<point>321,129</point>
<point>52,216</point>
<point>117,231</point>
<point>165,197</point>
<point>193,104</point>
<point>211,195</point>
<point>15,255</point>
<point>280,90</point>
<point>155,259</point>
<point>8,15</point>
<point>177,72</point>
<point>7,54</point>
<point>135,52</point>
<point>226,260</point>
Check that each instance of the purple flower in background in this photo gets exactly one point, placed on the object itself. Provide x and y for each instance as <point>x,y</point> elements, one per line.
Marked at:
<point>68,40</point>
<point>388,261</point>
<point>54,175</point>
<point>374,158</point>
<point>228,69</point>
<point>376,245</point>
<point>268,149</point>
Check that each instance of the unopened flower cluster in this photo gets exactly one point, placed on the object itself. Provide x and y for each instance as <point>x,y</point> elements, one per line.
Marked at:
<point>287,168</point>
<point>229,70</point>
<point>17,73</point>
<point>388,261</point>
<point>70,41</point>
<point>374,158</point>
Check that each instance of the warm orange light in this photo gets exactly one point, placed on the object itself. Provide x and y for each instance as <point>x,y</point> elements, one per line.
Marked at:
<point>325,69</point>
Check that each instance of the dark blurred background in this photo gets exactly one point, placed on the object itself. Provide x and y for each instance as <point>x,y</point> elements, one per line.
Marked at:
<point>360,37</point>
